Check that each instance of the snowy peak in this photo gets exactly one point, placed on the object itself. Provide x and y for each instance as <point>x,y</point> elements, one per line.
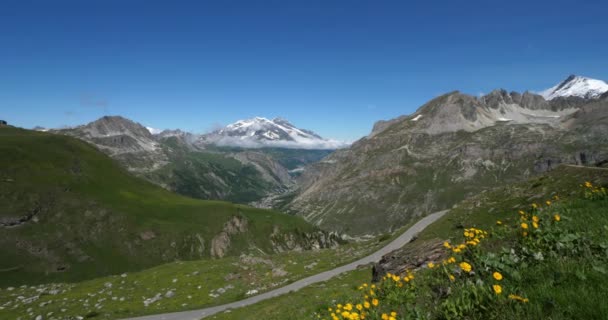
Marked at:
<point>576,86</point>
<point>260,128</point>
<point>261,132</point>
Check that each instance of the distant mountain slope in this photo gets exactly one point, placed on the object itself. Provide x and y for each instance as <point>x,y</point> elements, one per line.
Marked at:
<point>576,86</point>
<point>125,140</point>
<point>452,147</point>
<point>69,212</point>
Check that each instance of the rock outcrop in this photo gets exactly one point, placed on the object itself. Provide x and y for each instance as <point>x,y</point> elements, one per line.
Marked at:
<point>221,242</point>
<point>409,258</point>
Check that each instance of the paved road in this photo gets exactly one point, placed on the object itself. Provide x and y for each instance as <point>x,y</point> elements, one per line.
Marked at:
<point>586,167</point>
<point>323,276</point>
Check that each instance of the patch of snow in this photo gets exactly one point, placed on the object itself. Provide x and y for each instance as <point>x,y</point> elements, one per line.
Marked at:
<point>416,118</point>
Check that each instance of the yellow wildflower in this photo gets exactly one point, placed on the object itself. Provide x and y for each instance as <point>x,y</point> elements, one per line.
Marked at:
<point>524,225</point>
<point>384,316</point>
<point>452,278</point>
<point>375,302</point>
<point>588,184</point>
<point>534,205</point>
<point>535,225</point>
<point>366,305</point>
<point>431,265</point>
<point>497,289</point>
<point>498,222</point>
<point>497,276</point>
<point>525,234</point>
<point>535,218</point>
<point>466,267</point>
<point>557,217</point>
<point>548,202</point>
<point>447,244</point>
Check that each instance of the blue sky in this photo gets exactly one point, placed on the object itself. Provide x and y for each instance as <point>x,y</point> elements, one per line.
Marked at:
<point>331,66</point>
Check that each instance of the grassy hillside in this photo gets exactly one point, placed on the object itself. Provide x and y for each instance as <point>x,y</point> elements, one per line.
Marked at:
<point>68,212</point>
<point>209,175</point>
<point>556,270</point>
<point>194,284</point>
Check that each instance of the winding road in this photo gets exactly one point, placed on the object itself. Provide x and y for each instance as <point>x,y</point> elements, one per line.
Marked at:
<point>400,241</point>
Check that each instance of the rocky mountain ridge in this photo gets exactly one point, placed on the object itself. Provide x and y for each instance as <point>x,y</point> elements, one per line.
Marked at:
<point>452,147</point>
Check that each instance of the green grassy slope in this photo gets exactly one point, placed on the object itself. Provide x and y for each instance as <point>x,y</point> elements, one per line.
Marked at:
<point>569,281</point>
<point>196,284</point>
<point>85,216</point>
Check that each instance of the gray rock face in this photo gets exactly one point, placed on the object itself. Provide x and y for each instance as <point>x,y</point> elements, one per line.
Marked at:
<point>221,243</point>
<point>407,258</point>
<point>125,140</point>
<point>452,147</point>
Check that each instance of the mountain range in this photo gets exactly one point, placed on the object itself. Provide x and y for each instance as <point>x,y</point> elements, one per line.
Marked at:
<point>244,162</point>
<point>452,147</point>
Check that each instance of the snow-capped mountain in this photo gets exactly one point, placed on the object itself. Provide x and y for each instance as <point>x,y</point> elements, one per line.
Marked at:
<point>576,86</point>
<point>261,132</point>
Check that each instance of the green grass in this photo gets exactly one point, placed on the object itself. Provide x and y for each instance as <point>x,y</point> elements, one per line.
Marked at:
<point>194,282</point>
<point>568,286</point>
<point>305,303</point>
<point>92,217</point>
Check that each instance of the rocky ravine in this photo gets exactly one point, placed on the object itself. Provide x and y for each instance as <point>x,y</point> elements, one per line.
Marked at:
<point>452,147</point>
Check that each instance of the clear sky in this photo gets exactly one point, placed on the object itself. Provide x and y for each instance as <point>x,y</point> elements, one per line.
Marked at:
<point>331,66</point>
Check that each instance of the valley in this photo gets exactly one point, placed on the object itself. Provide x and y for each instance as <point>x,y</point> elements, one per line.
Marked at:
<point>113,220</point>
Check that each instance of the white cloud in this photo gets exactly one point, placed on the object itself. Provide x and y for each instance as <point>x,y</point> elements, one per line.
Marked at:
<point>255,143</point>
<point>154,130</point>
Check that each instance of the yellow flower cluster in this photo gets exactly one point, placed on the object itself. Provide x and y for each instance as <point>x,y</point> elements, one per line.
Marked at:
<point>533,220</point>
<point>472,237</point>
<point>348,311</point>
<point>400,281</point>
<point>368,307</point>
<point>594,192</point>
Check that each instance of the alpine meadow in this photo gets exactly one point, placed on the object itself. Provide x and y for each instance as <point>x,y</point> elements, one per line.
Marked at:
<point>271,160</point>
